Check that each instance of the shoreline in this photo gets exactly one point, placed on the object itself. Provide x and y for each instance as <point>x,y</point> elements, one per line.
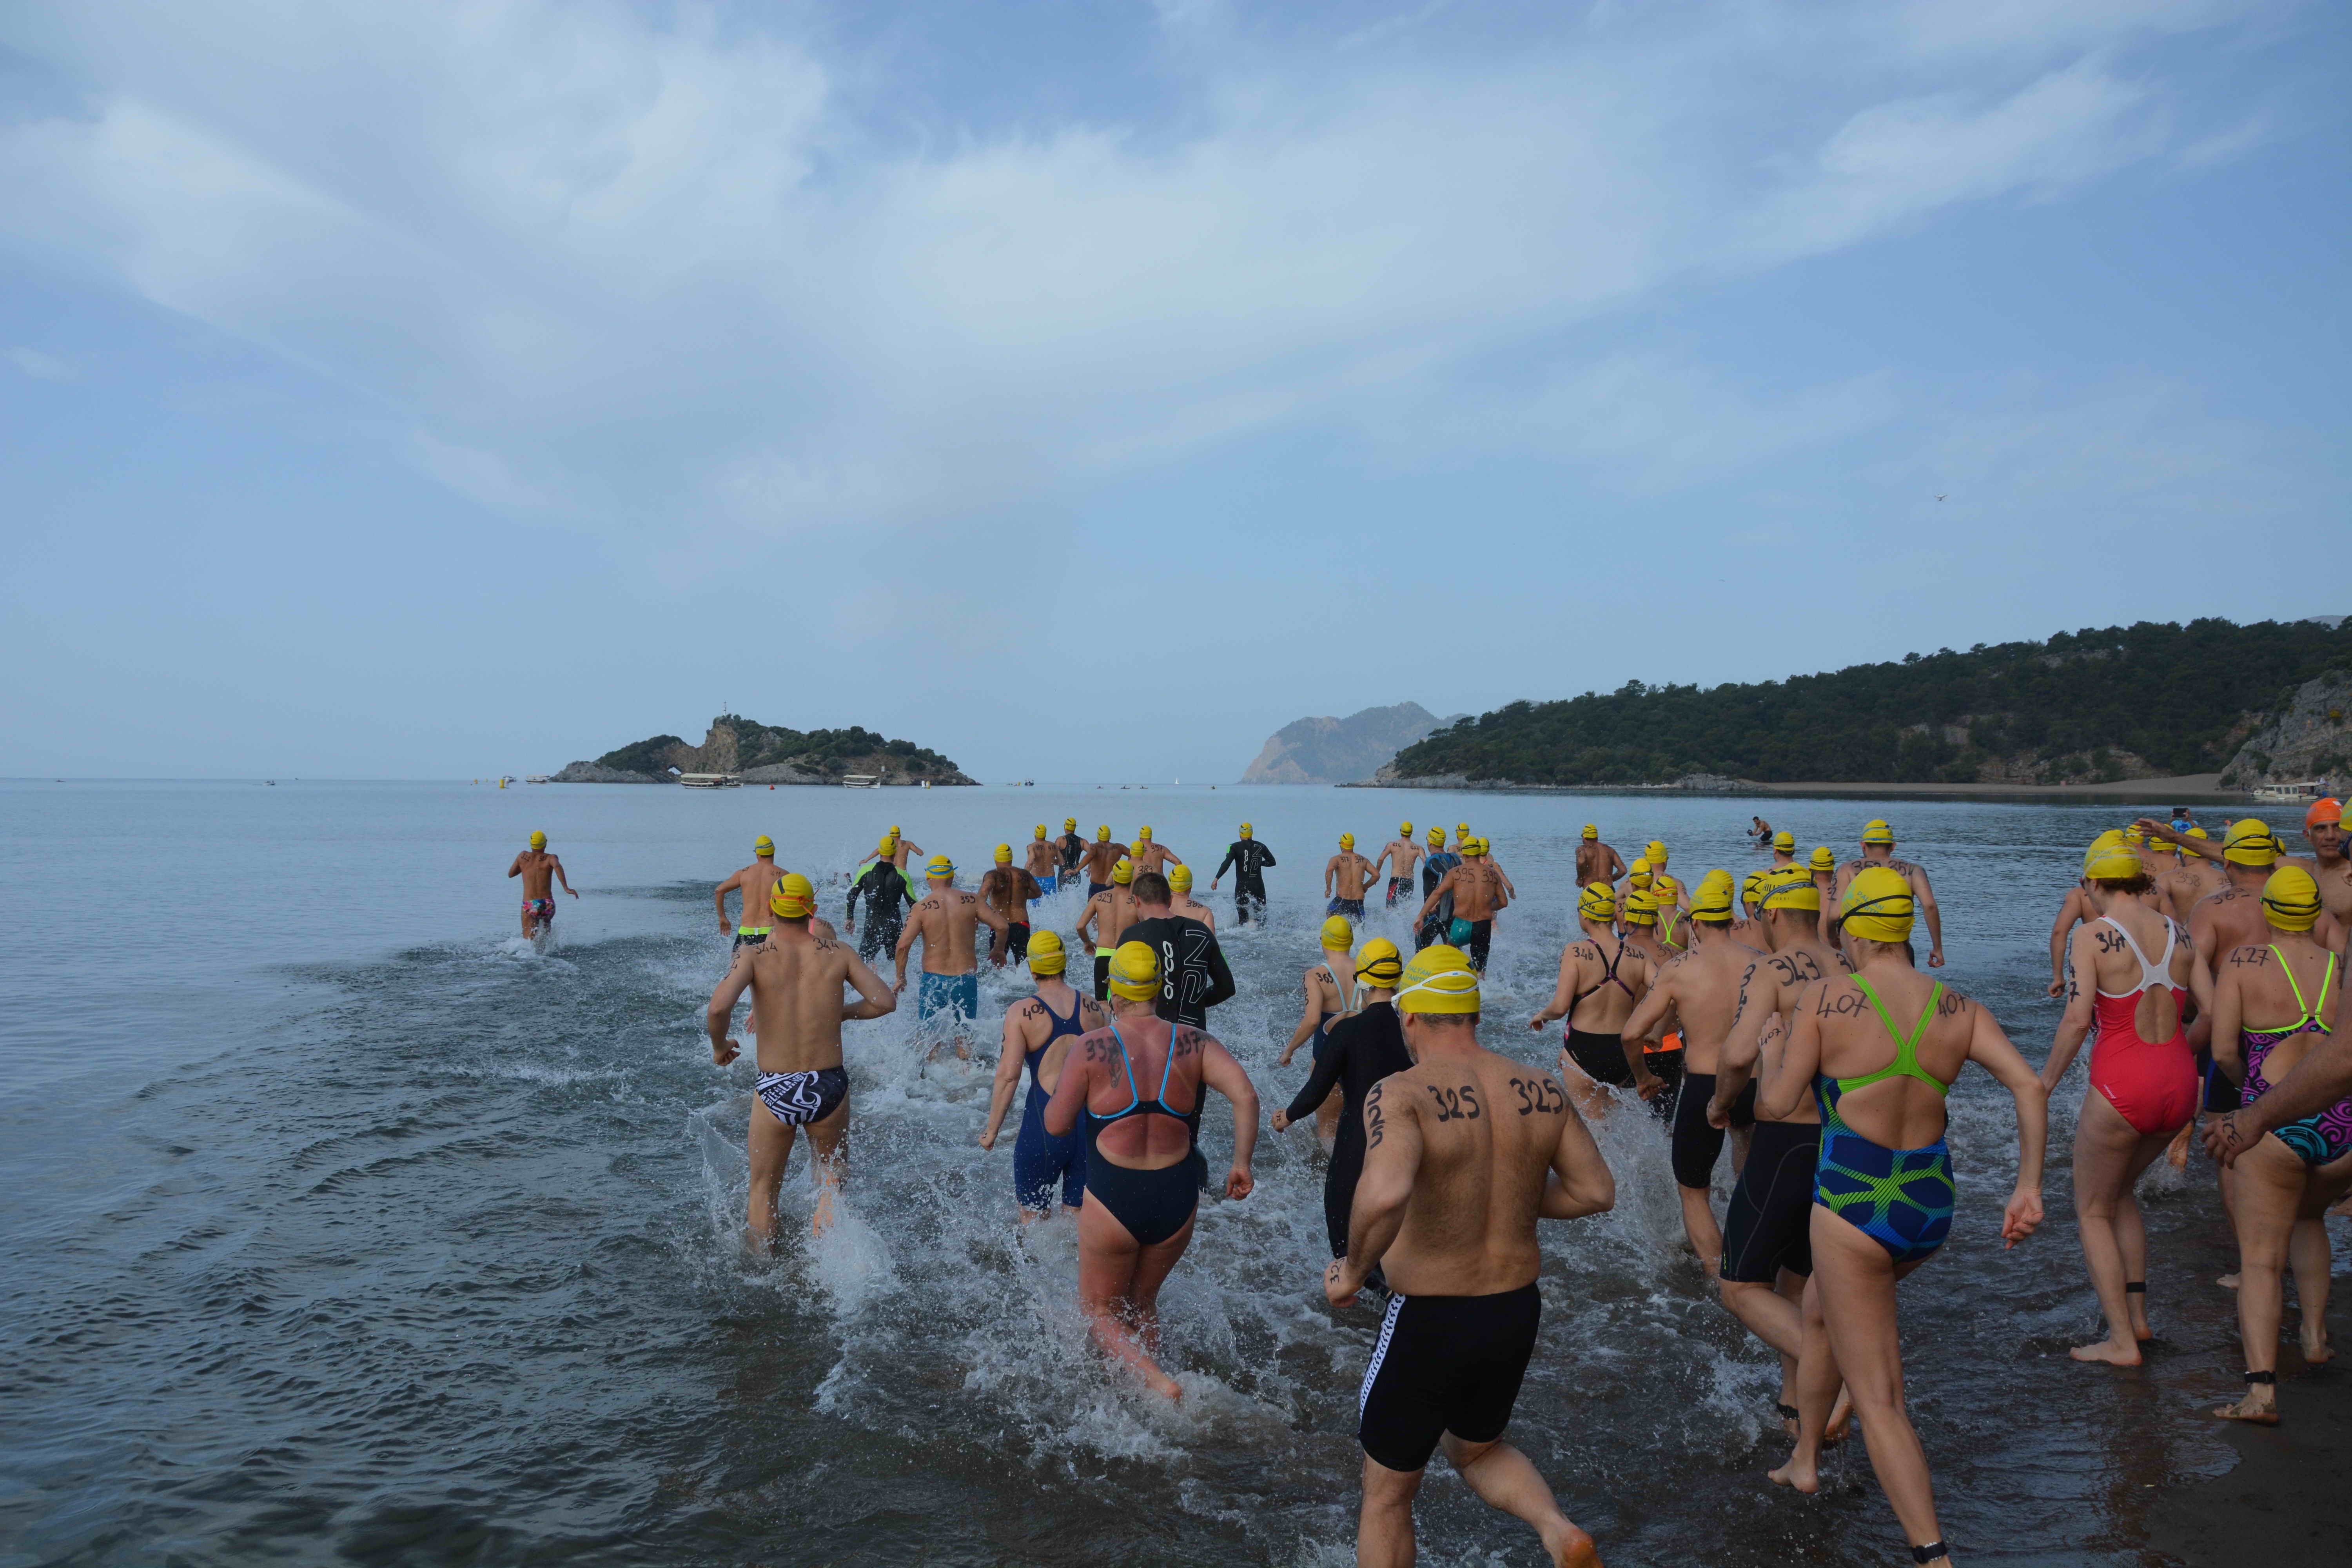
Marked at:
<point>2201,789</point>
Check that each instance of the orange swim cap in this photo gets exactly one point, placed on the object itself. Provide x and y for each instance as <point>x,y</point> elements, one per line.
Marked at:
<point>2330,810</point>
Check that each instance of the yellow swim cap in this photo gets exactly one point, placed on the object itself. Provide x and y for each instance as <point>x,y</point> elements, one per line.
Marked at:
<point>1070,825</point>
<point>1712,902</point>
<point>1484,847</point>
<point>538,839</point>
<point>940,866</point>
<point>1045,953</point>
<point>1590,831</point>
<point>1245,830</point>
<point>1338,936</point>
<point>1378,961</point>
<point>1752,889</point>
<point>1143,836</point>
<point>884,845</point>
<point>1823,859</point>
<point>2134,835</point>
<point>2199,833</point>
<point>1404,830</point>
<point>1135,972</point>
<point>2291,899</point>
<point>1790,888</point>
<point>1438,980</point>
<point>1123,872</point>
<point>1640,910</point>
<point>1597,902</point>
<point>1102,833</point>
<point>1041,831</point>
<point>2110,862</point>
<point>2250,842</point>
<point>791,897</point>
<point>1179,877</point>
<point>1878,905</point>
<point>1876,831</point>
<point>1005,854</point>
<point>1347,841</point>
<point>1655,852</point>
<point>763,844</point>
<point>1436,836</point>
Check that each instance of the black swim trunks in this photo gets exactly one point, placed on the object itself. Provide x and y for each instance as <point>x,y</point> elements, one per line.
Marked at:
<point>1600,1057</point>
<point>1770,1225</point>
<point>1698,1146</point>
<point>1398,888</point>
<point>1351,908</point>
<point>749,939</point>
<point>1016,940</point>
<point>797,1099</point>
<point>1444,1363</point>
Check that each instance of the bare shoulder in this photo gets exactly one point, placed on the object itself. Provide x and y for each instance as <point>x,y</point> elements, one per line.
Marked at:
<point>1184,1040</point>
<point>1530,1092</point>
<point>1090,1008</point>
<point>1030,1010</point>
<point>967,897</point>
<point>2252,955</point>
<point>1952,1003</point>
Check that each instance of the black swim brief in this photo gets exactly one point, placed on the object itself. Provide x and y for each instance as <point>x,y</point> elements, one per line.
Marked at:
<point>797,1099</point>
<point>1770,1225</point>
<point>1698,1146</point>
<point>1600,1057</point>
<point>1444,1363</point>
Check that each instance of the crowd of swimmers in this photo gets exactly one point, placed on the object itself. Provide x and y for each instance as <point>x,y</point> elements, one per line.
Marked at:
<point>1787,1017</point>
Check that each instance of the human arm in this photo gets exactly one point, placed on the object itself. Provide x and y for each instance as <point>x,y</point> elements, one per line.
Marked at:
<point>1220,973</point>
<point>1222,1073</point>
<point>1616,868</point>
<point>1989,1049</point>
<point>1925,895</point>
<point>2228,1015</point>
<point>2068,913</point>
<point>1579,1182</point>
<point>719,896</point>
<point>1330,874</point>
<point>1388,852</point>
<point>1778,1097</point>
<point>2074,1022</point>
<point>1391,1159</point>
<point>1224,866</point>
<point>2208,848</point>
<point>1651,1002</point>
<point>1563,994</point>
<point>1010,1053</point>
<point>874,1000</point>
<point>561,879</point>
<point>1086,923</point>
<point>905,945</point>
<point>717,1016</point>
<point>515,867</point>
<point>1308,1017</point>
<point>1320,1082</point>
<point>1076,1081</point>
<point>1737,1060</point>
<point>1444,886</point>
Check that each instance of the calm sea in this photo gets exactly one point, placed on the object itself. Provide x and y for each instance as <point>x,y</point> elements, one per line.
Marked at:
<point>345,1227</point>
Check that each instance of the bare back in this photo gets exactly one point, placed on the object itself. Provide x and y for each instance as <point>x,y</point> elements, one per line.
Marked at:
<point>1597,862</point>
<point>1703,987</point>
<point>2115,970</point>
<point>1347,874</point>
<point>755,883</point>
<point>2257,992</point>
<point>537,870</point>
<point>796,983</point>
<point>1477,891</point>
<point>944,922</point>
<point>1120,1065</point>
<point>1898,1112</point>
<point>1101,856</point>
<point>1033,1025</point>
<point>1600,1003</point>
<point>1041,858</point>
<point>1192,908</point>
<point>1008,891</point>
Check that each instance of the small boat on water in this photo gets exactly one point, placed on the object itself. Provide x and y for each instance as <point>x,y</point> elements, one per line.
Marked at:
<point>711,781</point>
<point>860,781</point>
<point>537,778</point>
<point>2304,790</point>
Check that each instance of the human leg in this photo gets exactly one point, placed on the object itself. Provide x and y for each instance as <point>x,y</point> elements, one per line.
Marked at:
<point>770,1145</point>
<point>1109,1265</point>
<point>829,1146</point>
<point>1505,1480</point>
<point>2109,1155</point>
<point>1855,1278</point>
<point>1384,1522</point>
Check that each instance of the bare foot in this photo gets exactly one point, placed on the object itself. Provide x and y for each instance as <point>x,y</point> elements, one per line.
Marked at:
<point>2256,1409</point>
<point>2177,1152</point>
<point>2109,1351</point>
<point>2227,1282</point>
<point>1572,1548</point>
<point>1841,1417</point>
<point>2316,1352</point>
<point>1806,1476</point>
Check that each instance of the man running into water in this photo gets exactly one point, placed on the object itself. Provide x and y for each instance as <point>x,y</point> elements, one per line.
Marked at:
<point>1345,876</point>
<point>1144,1167</point>
<point>1362,1049</point>
<point>1179,885</point>
<point>1068,850</point>
<point>882,887</point>
<point>1600,979</point>
<point>1878,849</point>
<point>1040,1031</point>
<point>895,848</point>
<point>1193,976</point>
<point>796,979</point>
<point>539,870</point>
<point>1433,925</point>
<point>1399,855</point>
<point>1663,887</point>
<point>1008,891</point>
<point>1463,1152</point>
<point>1596,861</point>
<point>1152,856</point>
<point>1043,864</point>
<point>1701,987</point>
<point>947,921</point>
<point>1767,1254</point>
<point>1248,859</point>
<point>1478,897</point>
<point>1760,830</point>
<point>754,882</point>
<point>1101,856</point>
<point>1103,924</point>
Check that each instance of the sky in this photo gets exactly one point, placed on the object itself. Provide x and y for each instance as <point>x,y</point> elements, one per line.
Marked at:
<point>1086,390</point>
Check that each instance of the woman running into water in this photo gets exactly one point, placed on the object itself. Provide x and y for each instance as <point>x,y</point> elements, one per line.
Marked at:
<point>1600,979</point>
<point>1879,1048</point>
<point>2144,1086</point>
<point>1040,1031</point>
<point>1144,1168</point>
<point>1330,996</point>
<point>2285,1181</point>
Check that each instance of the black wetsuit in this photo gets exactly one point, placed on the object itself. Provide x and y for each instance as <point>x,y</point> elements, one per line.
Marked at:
<point>1069,849</point>
<point>884,889</point>
<point>1249,859</point>
<point>1432,871</point>
<point>1364,1049</point>
<point>1193,976</point>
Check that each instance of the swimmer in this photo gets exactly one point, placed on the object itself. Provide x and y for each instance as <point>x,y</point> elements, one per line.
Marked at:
<point>1667,889</point>
<point>1330,988</point>
<point>1878,849</point>
<point>2322,829</point>
<point>893,847</point>
<point>1432,926</point>
<point>1825,870</point>
<point>1194,975</point>
<point>539,870</point>
<point>1784,850</point>
<point>2073,910</point>
<point>1144,1166</point>
<point>1751,898</point>
<point>1767,1256</point>
<point>947,921</point>
<point>1463,1152</point>
<point>1477,890</point>
<point>2293,1170</point>
<point>1345,876</point>
<point>795,978</point>
<point>754,882</point>
<point>1400,855</point>
<point>1760,831</point>
<point>1183,902</point>
<point>1069,849</point>
<point>1009,890</point>
<point>1363,1048</point>
<point>1103,923</point>
<point>1040,1030</point>
<point>1879,1049</point>
<point>1601,980</point>
<point>1248,859</point>
<point>1701,988</point>
<point>1044,864</point>
<point>1152,856</point>
<point>2143,1084</point>
<point>1101,857</point>
<point>882,889</point>
<point>1596,861</point>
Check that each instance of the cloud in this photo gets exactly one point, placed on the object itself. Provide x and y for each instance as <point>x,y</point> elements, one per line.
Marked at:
<point>657,277</point>
<point>43,367</point>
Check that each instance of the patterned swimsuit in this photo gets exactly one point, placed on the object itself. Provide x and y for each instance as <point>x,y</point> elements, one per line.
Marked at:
<point>1900,1198</point>
<point>2324,1135</point>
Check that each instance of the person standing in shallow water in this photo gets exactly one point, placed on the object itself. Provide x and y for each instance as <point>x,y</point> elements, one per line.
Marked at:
<point>1248,859</point>
<point>539,870</point>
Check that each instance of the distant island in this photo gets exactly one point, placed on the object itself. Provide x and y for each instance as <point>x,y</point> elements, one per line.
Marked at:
<point>1339,751</point>
<point>769,753</point>
<point>2263,703</point>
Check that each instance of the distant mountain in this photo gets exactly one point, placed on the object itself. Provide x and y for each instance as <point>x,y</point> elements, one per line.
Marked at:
<point>768,754</point>
<point>1341,751</point>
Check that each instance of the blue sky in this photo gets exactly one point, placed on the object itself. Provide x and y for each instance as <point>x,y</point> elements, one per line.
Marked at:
<point>1088,390</point>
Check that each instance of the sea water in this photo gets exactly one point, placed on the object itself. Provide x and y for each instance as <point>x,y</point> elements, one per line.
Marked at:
<point>347,1226</point>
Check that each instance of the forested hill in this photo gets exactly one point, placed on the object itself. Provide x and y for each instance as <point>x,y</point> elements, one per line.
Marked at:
<point>769,753</point>
<point>2147,701</point>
